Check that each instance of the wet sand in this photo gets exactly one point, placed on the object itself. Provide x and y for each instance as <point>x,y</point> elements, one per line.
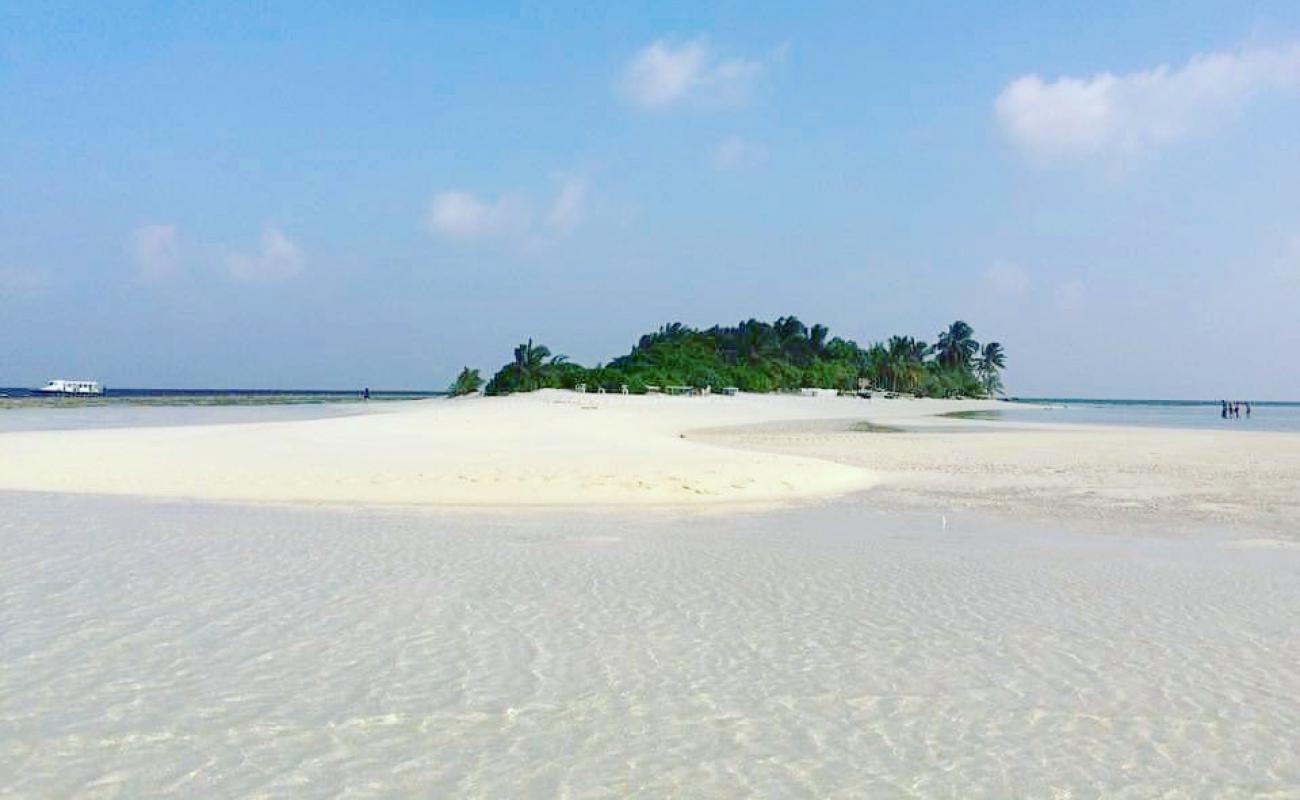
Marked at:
<point>1109,477</point>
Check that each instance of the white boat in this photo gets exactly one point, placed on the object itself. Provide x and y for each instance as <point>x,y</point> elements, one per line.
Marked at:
<point>61,386</point>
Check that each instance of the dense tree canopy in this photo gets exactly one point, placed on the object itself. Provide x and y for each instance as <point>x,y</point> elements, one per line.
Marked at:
<point>757,356</point>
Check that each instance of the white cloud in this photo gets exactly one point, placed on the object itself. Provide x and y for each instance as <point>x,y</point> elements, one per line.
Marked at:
<point>155,253</point>
<point>278,259</point>
<point>1007,279</point>
<point>734,152</point>
<point>664,73</point>
<point>463,216</point>
<point>1074,117</point>
<point>569,206</point>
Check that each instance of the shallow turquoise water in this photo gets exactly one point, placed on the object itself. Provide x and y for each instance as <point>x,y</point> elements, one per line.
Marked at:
<point>215,650</point>
<point>1153,413</point>
<point>38,418</point>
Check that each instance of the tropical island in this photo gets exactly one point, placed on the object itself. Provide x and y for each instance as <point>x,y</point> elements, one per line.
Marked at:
<point>756,356</point>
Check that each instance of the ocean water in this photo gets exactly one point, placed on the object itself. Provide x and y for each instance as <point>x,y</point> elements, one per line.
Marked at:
<point>171,649</point>
<point>1265,416</point>
<point>25,410</point>
<point>19,397</point>
<point>91,417</point>
<point>113,395</point>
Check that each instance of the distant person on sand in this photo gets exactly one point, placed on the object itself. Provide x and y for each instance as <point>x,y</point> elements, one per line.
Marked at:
<point>365,393</point>
<point>1248,411</point>
<point>1223,409</point>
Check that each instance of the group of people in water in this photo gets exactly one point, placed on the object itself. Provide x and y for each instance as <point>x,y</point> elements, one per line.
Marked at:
<point>1233,410</point>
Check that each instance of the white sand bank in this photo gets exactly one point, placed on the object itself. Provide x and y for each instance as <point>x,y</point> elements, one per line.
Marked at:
<point>563,449</point>
<point>547,448</point>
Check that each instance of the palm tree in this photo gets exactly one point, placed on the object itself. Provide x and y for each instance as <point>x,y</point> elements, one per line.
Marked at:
<point>957,346</point>
<point>530,360</point>
<point>530,357</point>
<point>993,356</point>
<point>992,359</point>
<point>758,341</point>
<point>817,337</point>
<point>791,329</point>
<point>904,362</point>
<point>468,382</point>
<point>876,365</point>
<point>793,338</point>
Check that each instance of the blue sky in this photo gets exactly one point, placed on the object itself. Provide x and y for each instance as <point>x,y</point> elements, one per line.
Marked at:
<point>309,195</point>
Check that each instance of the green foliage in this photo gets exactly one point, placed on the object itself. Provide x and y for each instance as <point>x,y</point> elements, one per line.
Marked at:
<point>902,367</point>
<point>956,347</point>
<point>991,361</point>
<point>757,356</point>
<point>940,380</point>
<point>535,368</point>
<point>467,382</point>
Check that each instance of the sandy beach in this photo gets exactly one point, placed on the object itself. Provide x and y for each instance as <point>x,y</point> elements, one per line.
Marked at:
<point>558,595</point>
<point>547,448</point>
<point>555,448</point>
<point>1107,476</point>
